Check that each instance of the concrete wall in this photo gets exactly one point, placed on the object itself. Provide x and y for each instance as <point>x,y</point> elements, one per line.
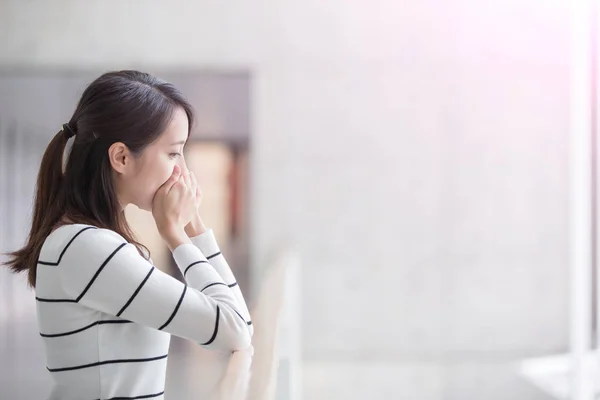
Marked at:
<point>413,152</point>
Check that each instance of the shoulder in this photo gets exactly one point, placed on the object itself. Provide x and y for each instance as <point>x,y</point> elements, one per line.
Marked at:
<point>88,233</point>
<point>83,240</point>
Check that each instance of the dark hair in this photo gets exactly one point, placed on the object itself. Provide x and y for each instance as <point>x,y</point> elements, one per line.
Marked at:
<point>130,107</point>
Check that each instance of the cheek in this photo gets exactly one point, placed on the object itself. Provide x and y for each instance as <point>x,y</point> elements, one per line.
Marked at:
<point>158,173</point>
<point>150,179</point>
<point>153,175</point>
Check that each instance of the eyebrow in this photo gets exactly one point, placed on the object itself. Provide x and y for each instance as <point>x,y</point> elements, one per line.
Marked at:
<point>180,142</point>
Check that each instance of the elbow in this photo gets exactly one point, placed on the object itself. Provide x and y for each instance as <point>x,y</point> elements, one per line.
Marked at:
<point>238,337</point>
<point>234,334</point>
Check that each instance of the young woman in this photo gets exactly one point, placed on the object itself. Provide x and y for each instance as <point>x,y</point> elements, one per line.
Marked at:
<point>104,311</point>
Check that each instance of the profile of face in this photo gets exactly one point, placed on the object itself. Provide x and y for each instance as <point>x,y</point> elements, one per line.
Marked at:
<point>137,177</point>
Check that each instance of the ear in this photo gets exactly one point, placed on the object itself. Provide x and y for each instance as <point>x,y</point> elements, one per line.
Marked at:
<point>120,157</point>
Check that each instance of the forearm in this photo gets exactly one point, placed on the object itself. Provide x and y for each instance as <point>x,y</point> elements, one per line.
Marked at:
<point>208,246</point>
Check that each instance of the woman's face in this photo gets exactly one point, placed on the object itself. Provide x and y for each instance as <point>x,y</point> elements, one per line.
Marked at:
<point>144,174</point>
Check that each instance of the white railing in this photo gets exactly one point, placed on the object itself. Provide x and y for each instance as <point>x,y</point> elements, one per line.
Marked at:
<point>276,367</point>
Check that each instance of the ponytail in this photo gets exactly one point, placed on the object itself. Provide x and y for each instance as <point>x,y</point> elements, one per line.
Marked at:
<point>48,208</point>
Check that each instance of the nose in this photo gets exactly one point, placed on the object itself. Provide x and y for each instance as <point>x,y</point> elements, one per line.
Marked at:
<point>181,162</point>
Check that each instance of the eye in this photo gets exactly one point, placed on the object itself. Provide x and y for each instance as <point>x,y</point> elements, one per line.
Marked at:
<point>174,155</point>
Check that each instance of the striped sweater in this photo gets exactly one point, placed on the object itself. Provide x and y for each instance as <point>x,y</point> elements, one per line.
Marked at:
<point>106,314</point>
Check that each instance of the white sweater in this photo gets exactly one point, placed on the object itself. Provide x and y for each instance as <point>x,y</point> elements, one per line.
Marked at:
<point>106,314</point>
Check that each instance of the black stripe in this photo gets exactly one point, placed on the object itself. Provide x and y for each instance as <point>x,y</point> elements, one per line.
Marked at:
<point>55,300</point>
<point>192,264</point>
<point>234,284</point>
<point>62,253</point>
<point>100,270</point>
<point>132,360</point>
<point>212,339</point>
<point>213,256</point>
<point>236,311</point>
<point>175,310</point>
<point>136,292</point>
<point>147,396</point>
<point>240,315</point>
<point>212,284</point>
<point>113,321</point>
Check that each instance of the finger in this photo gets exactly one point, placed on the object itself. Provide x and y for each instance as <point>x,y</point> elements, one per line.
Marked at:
<point>196,189</point>
<point>198,195</point>
<point>175,176</point>
<point>180,184</point>
<point>194,182</point>
<point>184,169</point>
<point>178,189</point>
<point>186,176</point>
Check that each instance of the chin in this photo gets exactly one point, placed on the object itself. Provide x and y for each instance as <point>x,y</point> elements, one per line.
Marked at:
<point>146,208</point>
<point>144,205</point>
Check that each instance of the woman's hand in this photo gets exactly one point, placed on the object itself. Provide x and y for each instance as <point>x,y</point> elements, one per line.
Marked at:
<point>173,207</point>
<point>195,227</point>
<point>196,190</point>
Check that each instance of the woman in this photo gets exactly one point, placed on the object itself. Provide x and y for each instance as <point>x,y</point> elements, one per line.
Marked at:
<point>104,311</point>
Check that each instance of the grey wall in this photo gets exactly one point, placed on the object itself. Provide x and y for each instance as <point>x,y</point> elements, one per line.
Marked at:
<point>44,99</point>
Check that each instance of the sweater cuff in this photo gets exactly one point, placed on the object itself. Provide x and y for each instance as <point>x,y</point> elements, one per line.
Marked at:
<point>206,242</point>
<point>187,254</point>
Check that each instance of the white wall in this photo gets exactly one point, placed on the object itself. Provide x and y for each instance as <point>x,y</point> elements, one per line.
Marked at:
<point>414,152</point>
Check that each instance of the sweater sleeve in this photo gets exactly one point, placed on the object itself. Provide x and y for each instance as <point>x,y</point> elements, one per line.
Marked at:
<point>104,272</point>
<point>207,244</point>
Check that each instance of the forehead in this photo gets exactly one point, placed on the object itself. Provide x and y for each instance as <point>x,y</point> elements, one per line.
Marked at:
<point>177,130</point>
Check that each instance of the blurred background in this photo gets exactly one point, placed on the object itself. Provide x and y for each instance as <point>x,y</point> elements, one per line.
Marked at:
<point>412,155</point>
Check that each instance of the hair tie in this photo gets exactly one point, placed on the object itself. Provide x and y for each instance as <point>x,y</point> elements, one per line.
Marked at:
<point>69,133</point>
